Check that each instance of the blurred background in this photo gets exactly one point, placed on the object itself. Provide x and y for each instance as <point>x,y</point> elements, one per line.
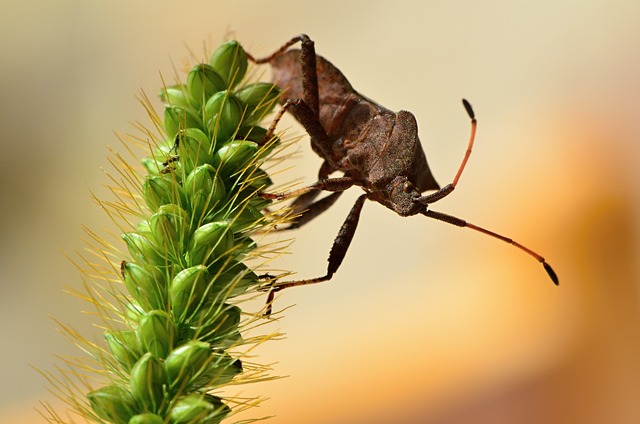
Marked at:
<point>424,322</point>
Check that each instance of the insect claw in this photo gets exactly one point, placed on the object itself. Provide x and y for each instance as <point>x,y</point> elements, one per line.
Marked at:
<point>269,305</point>
<point>270,196</point>
<point>268,286</point>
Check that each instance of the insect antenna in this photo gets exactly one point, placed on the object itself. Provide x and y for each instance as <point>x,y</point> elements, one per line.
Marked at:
<point>446,190</point>
<point>462,223</point>
<point>472,137</point>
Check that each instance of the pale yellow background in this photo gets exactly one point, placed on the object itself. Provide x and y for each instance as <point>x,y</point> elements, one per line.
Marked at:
<point>424,323</point>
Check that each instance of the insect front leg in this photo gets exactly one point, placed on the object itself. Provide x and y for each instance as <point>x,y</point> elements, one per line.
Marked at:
<point>328,184</point>
<point>305,207</point>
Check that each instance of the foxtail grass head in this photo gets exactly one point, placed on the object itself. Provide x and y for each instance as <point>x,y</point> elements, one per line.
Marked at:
<point>171,306</point>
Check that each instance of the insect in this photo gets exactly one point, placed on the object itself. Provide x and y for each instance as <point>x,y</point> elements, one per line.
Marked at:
<point>373,147</point>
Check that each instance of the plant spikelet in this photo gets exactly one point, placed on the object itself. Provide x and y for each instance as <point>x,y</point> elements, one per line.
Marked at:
<point>169,290</point>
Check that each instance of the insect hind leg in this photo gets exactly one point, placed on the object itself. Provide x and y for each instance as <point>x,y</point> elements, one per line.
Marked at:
<point>336,255</point>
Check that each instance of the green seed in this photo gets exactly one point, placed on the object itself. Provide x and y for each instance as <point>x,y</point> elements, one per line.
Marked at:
<point>178,118</point>
<point>258,181</point>
<point>235,280</point>
<point>221,369</point>
<point>252,133</point>
<point>223,113</point>
<point>205,189</point>
<point>185,363</point>
<point>245,218</point>
<point>187,291</point>
<point>260,98</point>
<point>146,418</point>
<point>124,347</point>
<point>235,156</point>
<point>196,408</point>
<point>143,250</point>
<point>169,229</point>
<point>230,62</point>
<point>195,149</point>
<point>147,380</point>
<point>147,288</point>
<point>174,95</point>
<point>202,82</point>
<point>209,242</point>
<point>156,333</point>
<point>159,190</point>
<point>218,326</point>
<point>114,404</point>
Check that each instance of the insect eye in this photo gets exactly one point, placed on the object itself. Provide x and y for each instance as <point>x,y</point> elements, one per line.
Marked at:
<point>407,187</point>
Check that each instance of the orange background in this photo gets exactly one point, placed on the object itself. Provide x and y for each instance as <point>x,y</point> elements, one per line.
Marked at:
<point>424,323</point>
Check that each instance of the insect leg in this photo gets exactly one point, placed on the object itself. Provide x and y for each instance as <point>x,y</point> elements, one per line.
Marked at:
<point>328,184</point>
<point>302,202</point>
<point>446,190</point>
<point>305,207</point>
<point>309,74</point>
<point>337,253</point>
<point>284,48</point>
<point>462,223</point>
<point>313,210</point>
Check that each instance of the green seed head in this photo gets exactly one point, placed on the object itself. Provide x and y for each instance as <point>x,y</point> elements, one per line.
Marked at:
<point>204,173</point>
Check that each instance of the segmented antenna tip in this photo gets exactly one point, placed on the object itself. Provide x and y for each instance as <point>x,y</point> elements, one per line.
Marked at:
<point>468,108</point>
<point>551,272</point>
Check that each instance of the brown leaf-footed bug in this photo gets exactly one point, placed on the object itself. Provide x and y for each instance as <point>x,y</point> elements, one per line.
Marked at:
<point>371,146</point>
